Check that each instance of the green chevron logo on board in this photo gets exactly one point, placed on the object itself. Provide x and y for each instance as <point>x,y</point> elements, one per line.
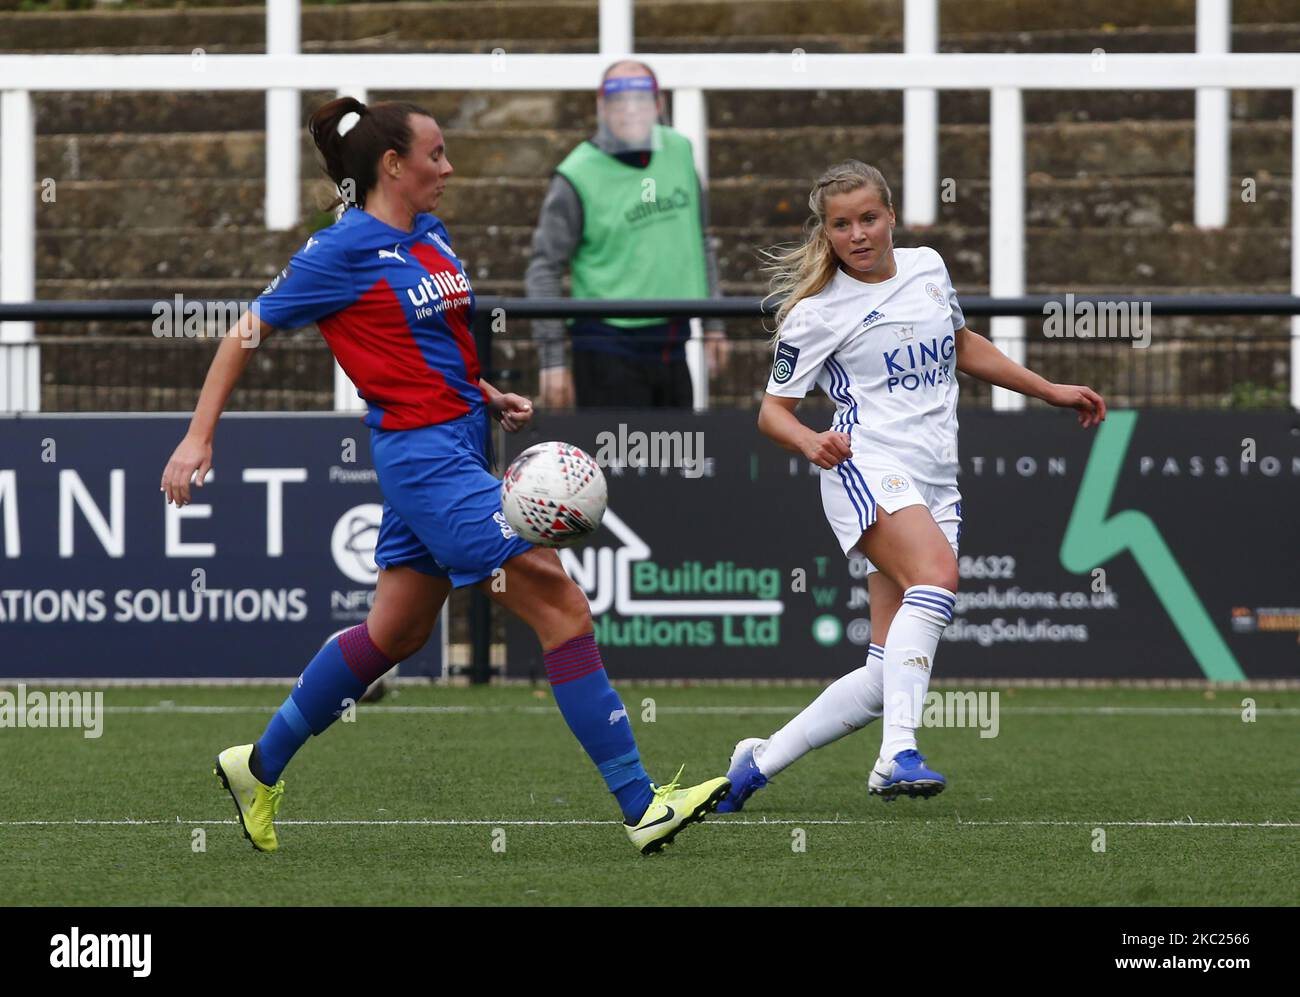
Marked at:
<point>1093,537</point>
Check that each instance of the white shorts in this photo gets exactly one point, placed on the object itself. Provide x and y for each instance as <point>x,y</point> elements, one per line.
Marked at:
<point>854,489</point>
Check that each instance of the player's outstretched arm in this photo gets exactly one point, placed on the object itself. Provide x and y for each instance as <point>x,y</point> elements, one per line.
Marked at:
<point>192,458</point>
<point>978,357</point>
<point>511,410</point>
<point>777,421</point>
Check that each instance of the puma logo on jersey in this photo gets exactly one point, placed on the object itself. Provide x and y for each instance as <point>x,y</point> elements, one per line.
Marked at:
<point>614,717</point>
<point>310,242</point>
<point>385,254</point>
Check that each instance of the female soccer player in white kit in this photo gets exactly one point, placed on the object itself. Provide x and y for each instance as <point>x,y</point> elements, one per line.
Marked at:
<point>880,331</point>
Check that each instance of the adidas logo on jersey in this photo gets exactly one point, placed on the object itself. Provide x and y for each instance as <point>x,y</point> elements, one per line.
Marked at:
<point>875,316</point>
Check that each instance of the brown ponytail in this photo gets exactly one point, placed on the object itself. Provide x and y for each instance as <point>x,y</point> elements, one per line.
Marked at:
<point>351,160</point>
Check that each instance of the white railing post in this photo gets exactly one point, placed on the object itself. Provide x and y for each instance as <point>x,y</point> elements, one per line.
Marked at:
<point>615,27</point>
<point>1007,228</point>
<point>1295,244</point>
<point>1213,126</point>
<point>691,119</point>
<point>283,26</point>
<point>920,119</point>
<point>346,398</point>
<point>20,380</point>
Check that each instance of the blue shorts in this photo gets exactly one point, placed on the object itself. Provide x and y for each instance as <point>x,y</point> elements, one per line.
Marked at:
<point>442,505</point>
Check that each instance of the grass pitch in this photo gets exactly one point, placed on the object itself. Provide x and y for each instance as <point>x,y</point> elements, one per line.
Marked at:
<point>481,796</point>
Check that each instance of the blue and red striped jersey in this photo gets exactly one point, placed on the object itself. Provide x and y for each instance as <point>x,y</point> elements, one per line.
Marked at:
<point>395,308</point>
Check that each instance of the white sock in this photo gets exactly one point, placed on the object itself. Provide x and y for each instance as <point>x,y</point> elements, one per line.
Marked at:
<point>909,655</point>
<point>847,704</point>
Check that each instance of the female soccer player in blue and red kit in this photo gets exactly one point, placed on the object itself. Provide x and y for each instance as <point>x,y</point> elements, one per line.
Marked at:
<point>395,305</point>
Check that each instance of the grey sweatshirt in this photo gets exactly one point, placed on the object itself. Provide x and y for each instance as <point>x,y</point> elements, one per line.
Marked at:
<point>559,230</point>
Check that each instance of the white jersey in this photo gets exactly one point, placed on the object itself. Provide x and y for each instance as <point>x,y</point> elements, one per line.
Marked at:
<point>886,353</point>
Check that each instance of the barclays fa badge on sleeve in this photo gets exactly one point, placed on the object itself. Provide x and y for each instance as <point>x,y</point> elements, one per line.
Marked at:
<point>783,366</point>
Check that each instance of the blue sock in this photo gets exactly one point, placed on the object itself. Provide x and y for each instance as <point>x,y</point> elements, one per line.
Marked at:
<point>315,703</point>
<point>599,721</point>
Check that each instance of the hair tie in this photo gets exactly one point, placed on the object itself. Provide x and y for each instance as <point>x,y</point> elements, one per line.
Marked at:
<point>348,122</point>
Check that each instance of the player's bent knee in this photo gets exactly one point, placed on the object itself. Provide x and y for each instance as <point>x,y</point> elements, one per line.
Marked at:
<point>945,578</point>
<point>939,572</point>
<point>566,613</point>
<point>572,606</point>
<point>400,643</point>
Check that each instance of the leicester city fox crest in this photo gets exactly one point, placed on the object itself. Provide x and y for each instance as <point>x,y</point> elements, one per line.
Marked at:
<point>934,291</point>
<point>895,483</point>
<point>783,366</point>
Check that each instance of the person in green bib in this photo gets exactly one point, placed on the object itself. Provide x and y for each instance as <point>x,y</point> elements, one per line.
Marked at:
<point>626,215</point>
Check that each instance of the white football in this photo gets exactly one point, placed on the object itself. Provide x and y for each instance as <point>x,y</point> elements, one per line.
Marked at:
<point>553,494</point>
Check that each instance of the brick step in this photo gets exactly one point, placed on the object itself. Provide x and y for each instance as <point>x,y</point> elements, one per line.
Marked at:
<point>1282,37</point>
<point>1118,256</point>
<point>1244,329</point>
<point>1116,149</point>
<point>77,112</point>
<point>1254,38</point>
<point>155,375</point>
<point>1062,257</point>
<point>999,24</point>
<point>798,109</point>
<point>218,29</point>
<point>516,337</point>
<point>117,5</point>
<point>181,396</point>
<point>1122,149</point>
<point>1090,203</point>
<point>78,289</point>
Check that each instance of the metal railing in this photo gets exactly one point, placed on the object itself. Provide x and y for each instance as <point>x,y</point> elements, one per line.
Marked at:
<point>1202,364</point>
<point>282,73</point>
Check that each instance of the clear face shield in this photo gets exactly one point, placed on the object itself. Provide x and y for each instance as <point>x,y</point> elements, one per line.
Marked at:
<point>627,113</point>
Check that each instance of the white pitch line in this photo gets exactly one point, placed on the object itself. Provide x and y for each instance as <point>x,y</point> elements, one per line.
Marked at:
<point>1216,711</point>
<point>720,822</point>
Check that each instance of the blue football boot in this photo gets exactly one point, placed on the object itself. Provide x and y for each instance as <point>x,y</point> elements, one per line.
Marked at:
<point>744,775</point>
<point>906,774</point>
